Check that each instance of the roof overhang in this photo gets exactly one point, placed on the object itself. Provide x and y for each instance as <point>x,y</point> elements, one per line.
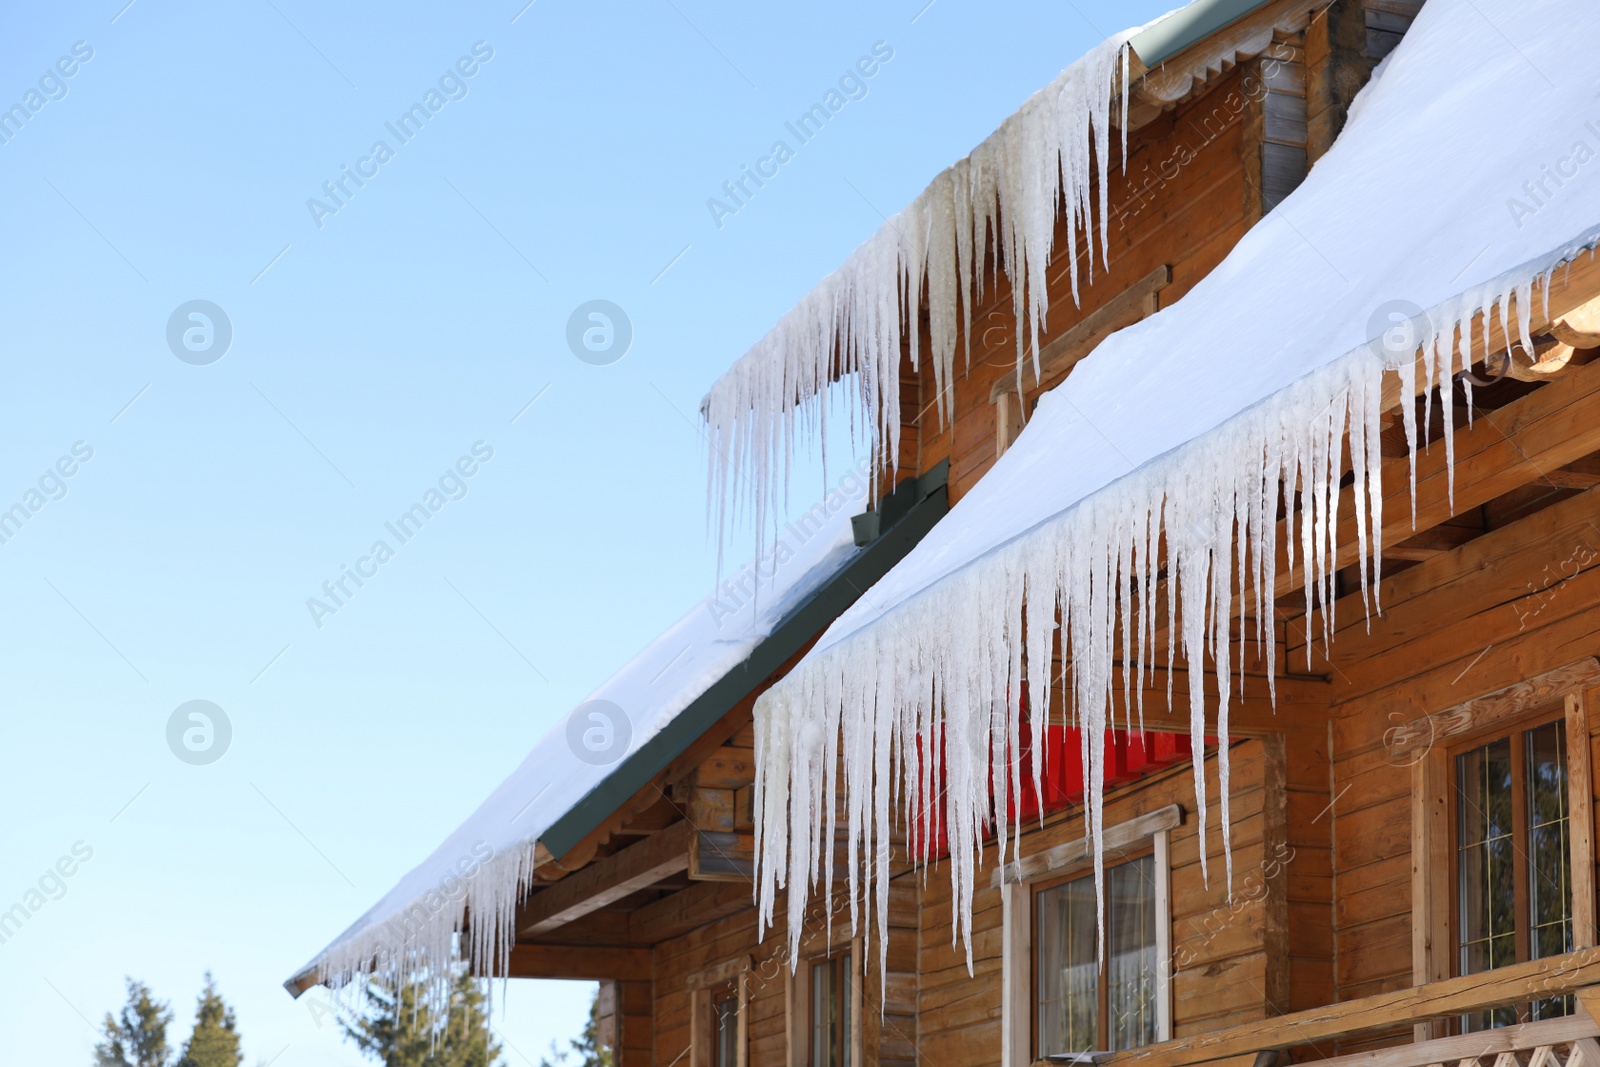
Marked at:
<point>904,516</point>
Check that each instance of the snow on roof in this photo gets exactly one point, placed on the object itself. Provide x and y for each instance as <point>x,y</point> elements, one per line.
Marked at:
<point>1469,170</point>
<point>487,863</point>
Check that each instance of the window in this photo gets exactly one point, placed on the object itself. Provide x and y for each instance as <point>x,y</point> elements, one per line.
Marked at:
<point>725,1030</point>
<point>1055,996</point>
<point>830,1012</point>
<point>717,1018</point>
<point>1513,871</point>
<point>1502,835</point>
<point>1080,1006</point>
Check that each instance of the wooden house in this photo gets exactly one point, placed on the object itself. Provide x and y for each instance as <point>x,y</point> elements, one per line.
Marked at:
<point>1389,860</point>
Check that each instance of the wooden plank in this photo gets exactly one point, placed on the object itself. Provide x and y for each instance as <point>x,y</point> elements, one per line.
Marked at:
<point>607,881</point>
<point>1430,876</point>
<point>1547,429</point>
<point>1410,740</point>
<point>1484,576</point>
<point>1570,289</point>
<point>711,809</point>
<point>729,767</point>
<point>1548,977</point>
<point>1580,812</point>
<point>699,905</point>
<point>1589,999</point>
<point>717,856</point>
<point>1568,479</point>
<point>721,974</point>
<point>1473,1046</point>
<point>1058,357</point>
<point>1069,853</point>
<point>591,963</point>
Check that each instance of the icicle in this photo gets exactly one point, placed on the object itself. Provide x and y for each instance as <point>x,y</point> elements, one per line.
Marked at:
<point>1003,198</point>
<point>939,679</point>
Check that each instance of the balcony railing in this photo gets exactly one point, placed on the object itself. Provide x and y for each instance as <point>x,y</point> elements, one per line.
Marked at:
<point>1565,1042</point>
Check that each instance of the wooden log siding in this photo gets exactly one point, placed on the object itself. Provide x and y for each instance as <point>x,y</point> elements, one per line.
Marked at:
<point>1227,975</point>
<point>1184,216</point>
<point>1009,394</point>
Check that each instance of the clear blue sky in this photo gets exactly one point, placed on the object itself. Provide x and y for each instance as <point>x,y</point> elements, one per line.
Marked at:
<point>367,355</point>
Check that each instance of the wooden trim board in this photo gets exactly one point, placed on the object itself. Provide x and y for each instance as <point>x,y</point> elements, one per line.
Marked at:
<point>1068,855</point>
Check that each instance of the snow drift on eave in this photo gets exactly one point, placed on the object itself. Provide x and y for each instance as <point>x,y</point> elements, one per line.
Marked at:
<point>1008,191</point>
<point>1457,187</point>
<point>485,867</point>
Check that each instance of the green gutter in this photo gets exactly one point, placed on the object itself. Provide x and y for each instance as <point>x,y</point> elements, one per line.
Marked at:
<point>908,514</point>
<point>1187,26</point>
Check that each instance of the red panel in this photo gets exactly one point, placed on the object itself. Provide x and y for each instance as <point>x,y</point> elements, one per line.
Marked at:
<point>1128,757</point>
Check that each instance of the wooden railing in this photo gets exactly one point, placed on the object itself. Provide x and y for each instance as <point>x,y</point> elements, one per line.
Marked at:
<point>1564,1042</point>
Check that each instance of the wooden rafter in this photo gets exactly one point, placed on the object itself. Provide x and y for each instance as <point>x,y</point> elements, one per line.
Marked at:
<point>606,881</point>
<point>578,962</point>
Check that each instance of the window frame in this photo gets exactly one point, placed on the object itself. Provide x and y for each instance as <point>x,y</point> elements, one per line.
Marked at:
<point>1429,744</point>
<point>1516,733</point>
<point>1144,850</point>
<point>731,978</point>
<point>839,968</point>
<point>1146,835</point>
<point>797,1015</point>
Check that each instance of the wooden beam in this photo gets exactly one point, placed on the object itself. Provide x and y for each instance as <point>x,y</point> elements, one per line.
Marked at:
<point>1477,1047</point>
<point>1520,443</point>
<point>688,909</point>
<point>1589,999</point>
<point>1580,327</point>
<point>1115,839</point>
<point>1567,298</point>
<point>606,881</point>
<point>589,963</point>
<point>1566,479</point>
<point>1303,705</point>
<point>1552,976</point>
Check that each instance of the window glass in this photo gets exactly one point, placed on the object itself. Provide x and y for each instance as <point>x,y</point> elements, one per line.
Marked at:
<point>1074,1002</point>
<point>725,1027</point>
<point>1550,877</point>
<point>830,1012</point>
<point>1131,957</point>
<point>1513,867</point>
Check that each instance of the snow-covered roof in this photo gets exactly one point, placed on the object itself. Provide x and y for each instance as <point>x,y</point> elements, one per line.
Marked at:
<point>487,863</point>
<point>1468,172</point>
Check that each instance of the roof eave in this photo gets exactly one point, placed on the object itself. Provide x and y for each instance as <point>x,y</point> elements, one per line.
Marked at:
<point>924,502</point>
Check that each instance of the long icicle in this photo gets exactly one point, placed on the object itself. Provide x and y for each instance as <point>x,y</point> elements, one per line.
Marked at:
<point>940,678</point>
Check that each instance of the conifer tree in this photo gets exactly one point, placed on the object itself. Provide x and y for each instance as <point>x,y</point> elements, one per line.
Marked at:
<point>136,1037</point>
<point>401,1029</point>
<point>215,1040</point>
<point>586,1046</point>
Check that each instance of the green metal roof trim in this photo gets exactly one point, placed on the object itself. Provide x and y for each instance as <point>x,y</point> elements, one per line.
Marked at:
<point>908,514</point>
<point>1188,25</point>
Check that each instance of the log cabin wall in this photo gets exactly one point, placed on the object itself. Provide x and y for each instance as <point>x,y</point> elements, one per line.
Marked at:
<point>1512,604</point>
<point>1232,959</point>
